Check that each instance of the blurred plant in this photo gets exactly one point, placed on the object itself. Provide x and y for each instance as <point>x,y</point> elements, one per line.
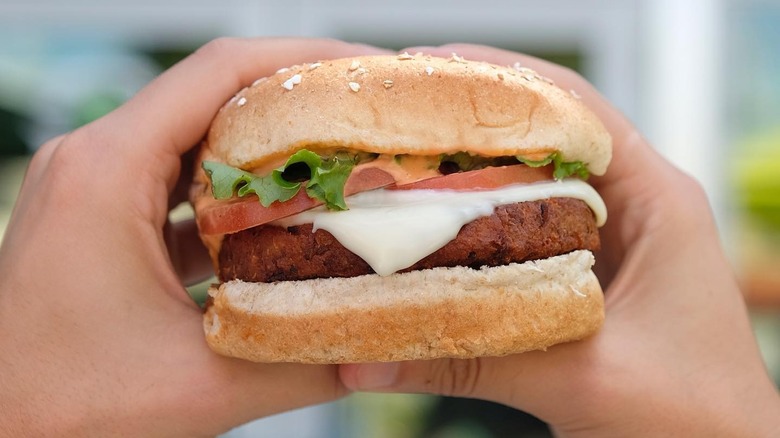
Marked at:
<point>11,138</point>
<point>757,179</point>
<point>95,105</point>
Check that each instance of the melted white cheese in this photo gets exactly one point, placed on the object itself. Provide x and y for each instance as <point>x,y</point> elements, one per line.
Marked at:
<point>394,229</point>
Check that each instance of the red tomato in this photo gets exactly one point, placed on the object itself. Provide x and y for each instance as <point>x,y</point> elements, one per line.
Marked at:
<point>483,179</point>
<point>222,217</point>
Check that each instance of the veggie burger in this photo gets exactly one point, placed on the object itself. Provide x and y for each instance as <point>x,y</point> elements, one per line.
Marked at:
<point>400,207</point>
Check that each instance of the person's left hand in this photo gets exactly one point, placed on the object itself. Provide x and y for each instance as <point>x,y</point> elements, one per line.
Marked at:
<point>97,333</point>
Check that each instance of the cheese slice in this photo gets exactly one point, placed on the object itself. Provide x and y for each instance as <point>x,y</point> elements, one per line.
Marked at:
<point>394,229</point>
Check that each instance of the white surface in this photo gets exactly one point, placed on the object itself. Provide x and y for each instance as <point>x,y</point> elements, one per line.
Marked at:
<point>683,87</point>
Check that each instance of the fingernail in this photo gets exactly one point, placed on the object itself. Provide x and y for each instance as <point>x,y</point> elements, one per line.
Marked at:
<point>377,375</point>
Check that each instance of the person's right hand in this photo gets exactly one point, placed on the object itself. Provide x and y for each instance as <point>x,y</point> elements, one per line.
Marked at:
<point>676,354</point>
<point>98,336</point>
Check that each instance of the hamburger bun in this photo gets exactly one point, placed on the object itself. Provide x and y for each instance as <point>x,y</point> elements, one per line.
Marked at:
<point>412,105</point>
<point>398,107</point>
<point>441,312</point>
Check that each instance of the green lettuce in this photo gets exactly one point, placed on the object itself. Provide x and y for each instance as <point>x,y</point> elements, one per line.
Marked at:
<point>322,178</point>
<point>563,169</point>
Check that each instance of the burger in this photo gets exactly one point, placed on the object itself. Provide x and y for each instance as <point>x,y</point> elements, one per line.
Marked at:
<point>400,207</point>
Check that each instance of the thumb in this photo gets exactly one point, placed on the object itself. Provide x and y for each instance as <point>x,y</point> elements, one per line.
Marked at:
<point>530,381</point>
<point>450,377</point>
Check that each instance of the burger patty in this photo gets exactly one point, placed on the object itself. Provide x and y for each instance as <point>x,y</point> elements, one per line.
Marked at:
<point>514,233</point>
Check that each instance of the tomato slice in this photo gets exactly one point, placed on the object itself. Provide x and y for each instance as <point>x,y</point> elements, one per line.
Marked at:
<point>223,217</point>
<point>483,179</point>
<point>367,179</point>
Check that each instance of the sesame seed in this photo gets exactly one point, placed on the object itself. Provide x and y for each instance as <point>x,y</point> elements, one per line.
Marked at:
<point>405,56</point>
<point>282,70</point>
<point>500,76</point>
<point>259,81</point>
<point>546,79</point>
<point>528,74</point>
<point>355,65</point>
<point>456,58</point>
<point>574,94</point>
<point>354,86</point>
<point>315,65</point>
<point>429,70</point>
<point>387,83</point>
<point>517,66</point>
<point>242,101</point>
<point>292,82</point>
<point>526,71</point>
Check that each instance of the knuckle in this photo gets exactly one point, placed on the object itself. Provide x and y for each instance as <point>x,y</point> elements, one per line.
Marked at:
<point>59,157</point>
<point>604,381</point>
<point>67,154</point>
<point>694,190</point>
<point>61,169</point>
<point>40,160</point>
<point>690,197</point>
<point>72,158</point>
<point>454,377</point>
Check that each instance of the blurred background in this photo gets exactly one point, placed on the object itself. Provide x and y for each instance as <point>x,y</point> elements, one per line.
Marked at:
<point>699,77</point>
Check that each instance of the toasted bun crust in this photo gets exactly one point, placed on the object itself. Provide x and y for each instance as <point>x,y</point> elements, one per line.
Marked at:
<point>442,312</point>
<point>418,104</point>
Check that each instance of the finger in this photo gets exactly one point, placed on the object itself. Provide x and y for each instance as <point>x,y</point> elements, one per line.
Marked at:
<point>143,139</point>
<point>32,177</point>
<point>189,257</point>
<point>515,381</point>
<point>259,390</point>
<point>175,110</point>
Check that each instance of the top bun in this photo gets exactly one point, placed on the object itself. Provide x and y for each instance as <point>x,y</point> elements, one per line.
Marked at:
<point>406,104</point>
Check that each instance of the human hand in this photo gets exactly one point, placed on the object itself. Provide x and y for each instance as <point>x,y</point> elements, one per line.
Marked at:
<point>97,333</point>
<point>676,354</point>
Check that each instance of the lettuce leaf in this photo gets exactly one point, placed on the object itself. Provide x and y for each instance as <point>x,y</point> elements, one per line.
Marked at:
<point>325,180</point>
<point>563,169</point>
<point>327,183</point>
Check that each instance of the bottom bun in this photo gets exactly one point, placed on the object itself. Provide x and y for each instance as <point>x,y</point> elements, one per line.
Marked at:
<point>442,312</point>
